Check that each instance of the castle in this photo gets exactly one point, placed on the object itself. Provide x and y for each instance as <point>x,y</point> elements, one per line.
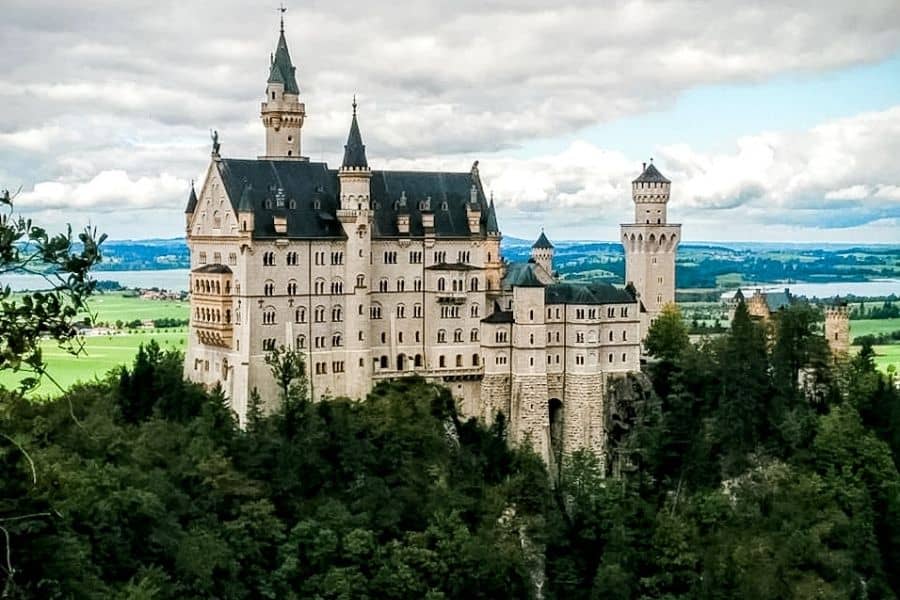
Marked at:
<point>375,275</point>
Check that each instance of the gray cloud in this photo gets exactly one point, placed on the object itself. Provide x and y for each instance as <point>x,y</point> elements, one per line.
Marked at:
<point>96,94</point>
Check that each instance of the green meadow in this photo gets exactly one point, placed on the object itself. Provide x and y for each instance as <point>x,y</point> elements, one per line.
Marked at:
<point>105,352</point>
<point>873,326</point>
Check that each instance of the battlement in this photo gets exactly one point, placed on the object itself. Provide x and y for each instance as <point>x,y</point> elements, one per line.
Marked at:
<point>840,312</point>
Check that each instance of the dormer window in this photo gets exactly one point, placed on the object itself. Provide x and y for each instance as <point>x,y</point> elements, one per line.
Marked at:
<point>443,206</point>
<point>317,204</point>
<point>269,203</point>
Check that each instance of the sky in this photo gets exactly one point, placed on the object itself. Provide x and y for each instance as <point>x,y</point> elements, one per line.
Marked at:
<point>775,121</point>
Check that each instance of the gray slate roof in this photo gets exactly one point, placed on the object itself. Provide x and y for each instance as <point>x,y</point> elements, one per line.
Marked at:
<point>521,275</point>
<point>283,70</point>
<point>257,185</point>
<point>354,150</point>
<point>192,201</point>
<point>213,268</point>
<point>499,315</point>
<point>586,293</point>
<point>651,174</point>
<point>778,300</point>
<point>542,243</point>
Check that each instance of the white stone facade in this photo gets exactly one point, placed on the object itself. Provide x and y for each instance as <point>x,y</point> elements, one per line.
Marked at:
<point>403,277</point>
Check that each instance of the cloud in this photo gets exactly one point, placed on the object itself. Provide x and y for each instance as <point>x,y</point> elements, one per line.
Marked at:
<point>118,101</point>
<point>107,191</point>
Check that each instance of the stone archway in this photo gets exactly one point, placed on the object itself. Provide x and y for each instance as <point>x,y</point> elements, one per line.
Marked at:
<point>555,409</point>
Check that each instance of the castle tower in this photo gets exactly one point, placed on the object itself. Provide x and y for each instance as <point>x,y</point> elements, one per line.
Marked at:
<point>650,243</point>
<point>355,215</point>
<point>542,253</point>
<point>837,328</point>
<point>282,112</point>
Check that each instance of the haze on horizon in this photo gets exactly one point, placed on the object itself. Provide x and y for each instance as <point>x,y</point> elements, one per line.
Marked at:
<point>775,121</point>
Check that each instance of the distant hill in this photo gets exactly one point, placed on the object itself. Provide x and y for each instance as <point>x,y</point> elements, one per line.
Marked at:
<point>704,265</point>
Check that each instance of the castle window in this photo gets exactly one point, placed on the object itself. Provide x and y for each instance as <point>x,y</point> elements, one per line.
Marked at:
<point>610,336</point>
<point>360,281</point>
<point>418,336</point>
<point>301,342</point>
<point>624,357</point>
<point>383,337</point>
<point>624,310</point>
<point>611,312</point>
<point>473,335</point>
<point>442,361</point>
<point>269,288</point>
<point>401,285</point>
<point>399,337</point>
<point>441,336</point>
<point>441,284</point>
<point>458,335</point>
<point>417,361</point>
<point>610,357</point>
<point>531,315</point>
<point>417,284</point>
<point>268,344</point>
<point>473,285</point>
<point>337,287</point>
<point>417,311</point>
<point>401,311</point>
<point>336,340</point>
<point>319,314</point>
<point>203,258</point>
<point>579,337</point>
<point>268,259</point>
<point>232,258</point>
<point>375,311</point>
<point>383,285</point>
<point>473,311</point>
<point>292,288</point>
<point>319,286</point>
<point>269,316</point>
<point>337,314</point>
<point>269,203</point>
<point>300,315</point>
<point>500,336</point>
<point>440,257</point>
<point>624,336</point>
<point>531,339</point>
<point>444,206</point>
<point>459,360</point>
<point>292,259</point>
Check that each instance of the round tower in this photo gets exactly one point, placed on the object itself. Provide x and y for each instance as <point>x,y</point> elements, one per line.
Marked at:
<point>837,328</point>
<point>650,244</point>
<point>282,112</point>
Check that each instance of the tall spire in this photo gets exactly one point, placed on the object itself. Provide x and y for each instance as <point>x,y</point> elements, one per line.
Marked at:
<point>355,150</point>
<point>283,70</point>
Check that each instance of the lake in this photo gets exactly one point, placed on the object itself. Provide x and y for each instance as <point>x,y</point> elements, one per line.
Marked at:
<point>175,280</point>
<point>878,287</point>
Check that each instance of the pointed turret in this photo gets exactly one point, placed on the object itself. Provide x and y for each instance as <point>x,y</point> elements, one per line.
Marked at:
<point>282,112</point>
<point>491,225</point>
<point>192,201</point>
<point>283,70</point>
<point>542,253</point>
<point>355,150</point>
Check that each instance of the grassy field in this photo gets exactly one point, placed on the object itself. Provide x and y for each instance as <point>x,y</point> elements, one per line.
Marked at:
<point>114,306</point>
<point>887,355</point>
<point>102,353</point>
<point>873,326</point>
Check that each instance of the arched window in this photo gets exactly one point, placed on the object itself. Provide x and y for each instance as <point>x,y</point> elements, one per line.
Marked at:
<point>300,315</point>
<point>473,335</point>
<point>336,340</point>
<point>337,314</point>
<point>475,360</point>
<point>458,335</point>
<point>269,288</point>
<point>301,342</point>
<point>473,285</point>
<point>441,336</point>
<point>269,315</point>
<point>292,288</point>
<point>360,281</point>
<point>441,284</point>
<point>474,310</point>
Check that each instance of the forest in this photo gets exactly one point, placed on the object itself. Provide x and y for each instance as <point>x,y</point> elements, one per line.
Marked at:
<point>754,468</point>
<point>752,465</point>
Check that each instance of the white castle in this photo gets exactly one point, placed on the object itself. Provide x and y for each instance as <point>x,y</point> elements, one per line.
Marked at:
<point>376,275</point>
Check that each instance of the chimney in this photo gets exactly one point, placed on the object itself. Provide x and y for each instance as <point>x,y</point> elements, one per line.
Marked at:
<point>643,167</point>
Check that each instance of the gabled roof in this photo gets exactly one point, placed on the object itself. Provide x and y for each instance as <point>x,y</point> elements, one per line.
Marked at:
<point>586,293</point>
<point>521,275</point>
<point>542,243</point>
<point>283,70</point>
<point>192,201</point>
<point>651,174</point>
<point>778,300</point>
<point>272,187</point>
<point>499,316</point>
<point>355,150</point>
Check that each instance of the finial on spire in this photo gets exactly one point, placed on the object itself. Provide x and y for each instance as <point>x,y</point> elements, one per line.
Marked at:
<point>282,10</point>
<point>354,105</point>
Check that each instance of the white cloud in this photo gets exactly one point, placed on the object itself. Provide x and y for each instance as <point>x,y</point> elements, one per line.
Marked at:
<point>107,191</point>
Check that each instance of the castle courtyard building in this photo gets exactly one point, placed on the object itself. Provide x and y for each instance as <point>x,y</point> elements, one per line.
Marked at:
<point>375,274</point>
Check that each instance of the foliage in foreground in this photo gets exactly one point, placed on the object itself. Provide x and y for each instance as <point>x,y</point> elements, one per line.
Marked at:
<point>759,472</point>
